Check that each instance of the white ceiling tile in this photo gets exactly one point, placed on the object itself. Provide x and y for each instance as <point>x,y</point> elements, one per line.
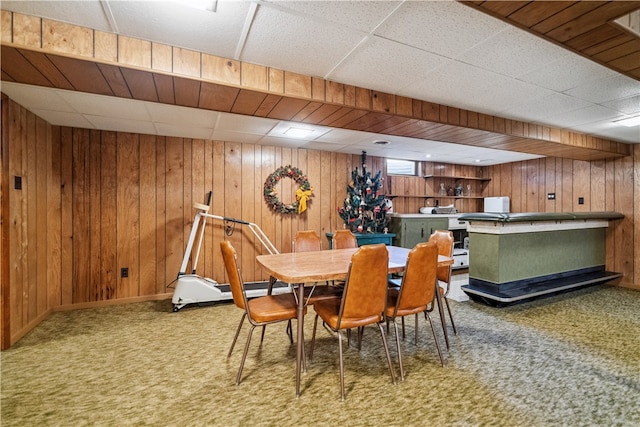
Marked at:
<point>629,105</point>
<point>177,24</point>
<point>88,13</point>
<point>570,71</point>
<point>612,130</point>
<point>34,97</point>
<point>547,105</point>
<point>183,131</point>
<point>582,116</point>
<point>339,136</point>
<point>282,142</point>
<point>121,125</point>
<point>607,89</point>
<point>455,84</point>
<point>436,27</point>
<point>108,106</point>
<point>246,124</point>
<point>62,118</point>
<point>505,53</point>
<point>321,146</point>
<point>400,63</point>
<point>360,15</point>
<point>163,113</point>
<point>503,93</point>
<point>297,37</point>
<point>225,135</point>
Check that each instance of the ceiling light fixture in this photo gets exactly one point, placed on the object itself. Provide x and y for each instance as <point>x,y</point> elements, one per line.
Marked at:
<point>210,5</point>
<point>380,142</point>
<point>629,122</point>
<point>301,133</point>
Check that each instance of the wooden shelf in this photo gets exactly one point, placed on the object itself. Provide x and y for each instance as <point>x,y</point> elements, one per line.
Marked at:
<point>408,196</point>
<point>468,178</point>
<point>435,196</point>
<point>453,197</point>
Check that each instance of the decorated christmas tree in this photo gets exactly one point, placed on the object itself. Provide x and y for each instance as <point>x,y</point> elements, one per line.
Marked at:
<point>365,209</point>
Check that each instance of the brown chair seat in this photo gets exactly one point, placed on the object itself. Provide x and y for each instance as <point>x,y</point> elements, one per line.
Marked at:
<point>272,308</point>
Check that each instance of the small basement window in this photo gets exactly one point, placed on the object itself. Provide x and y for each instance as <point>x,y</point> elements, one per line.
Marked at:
<point>401,167</point>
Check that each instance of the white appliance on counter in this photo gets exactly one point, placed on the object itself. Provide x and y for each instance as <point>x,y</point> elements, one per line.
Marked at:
<point>460,258</point>
<point>496,204</point>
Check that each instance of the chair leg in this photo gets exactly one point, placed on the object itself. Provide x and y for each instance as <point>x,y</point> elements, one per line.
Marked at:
<point>244,356</point>
<point>399,353</point>
<point>416,328</point>
<point>304,354</point>
<point>313,338</point>
<point>264,328</point>
<point>442,320</point>
<point>404,335</point>
<point>386,350</point>
<point>341,366</point>
<point>237,333</point>
<point>435,338</point>
<point>290,331</point>
<point>453,324</point>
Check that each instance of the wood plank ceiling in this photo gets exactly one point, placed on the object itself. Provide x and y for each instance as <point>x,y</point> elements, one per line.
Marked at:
<point>574,24</point>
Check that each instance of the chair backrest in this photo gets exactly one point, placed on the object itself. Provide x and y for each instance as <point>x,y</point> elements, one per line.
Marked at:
<point>230,258</point>
<point>365,291</point>
<point>419,281</point>
<point>305,241</point>
<point>343,239</point>
<point>445,242</point>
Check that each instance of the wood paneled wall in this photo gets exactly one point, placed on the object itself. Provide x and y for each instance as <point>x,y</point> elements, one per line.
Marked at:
<point>94,202</point>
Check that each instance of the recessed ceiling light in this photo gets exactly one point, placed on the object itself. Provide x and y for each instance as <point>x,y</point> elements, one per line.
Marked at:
<point>629,122</point>
<point>428,156</point>
<point>294,132</point>
<point>210,5</point>
<point>380,142</point>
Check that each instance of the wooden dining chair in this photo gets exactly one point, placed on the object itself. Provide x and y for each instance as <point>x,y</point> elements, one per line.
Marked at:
<point>307,241</point>
<point>363,301</point>
<point>445,241</point>
<point>344,239</point>
<point>416,293</point>
<point>260,311</point>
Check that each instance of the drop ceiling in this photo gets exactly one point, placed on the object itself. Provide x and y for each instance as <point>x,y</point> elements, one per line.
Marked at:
<point>443,52</point>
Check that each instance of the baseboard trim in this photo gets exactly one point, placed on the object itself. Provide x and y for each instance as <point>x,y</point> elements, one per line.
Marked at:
<point>106,303</point>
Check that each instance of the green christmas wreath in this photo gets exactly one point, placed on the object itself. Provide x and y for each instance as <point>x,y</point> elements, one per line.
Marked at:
<point>303,192</point>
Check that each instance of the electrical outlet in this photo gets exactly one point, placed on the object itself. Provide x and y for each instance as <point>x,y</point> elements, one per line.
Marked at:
<point>551,196</point>
<point>581,200</point>
<point>124,272</point>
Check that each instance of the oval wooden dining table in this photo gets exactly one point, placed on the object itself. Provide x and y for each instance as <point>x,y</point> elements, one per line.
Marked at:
<point>305,268</point>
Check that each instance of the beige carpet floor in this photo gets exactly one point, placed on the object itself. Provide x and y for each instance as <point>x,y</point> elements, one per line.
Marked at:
<point>569,360</point>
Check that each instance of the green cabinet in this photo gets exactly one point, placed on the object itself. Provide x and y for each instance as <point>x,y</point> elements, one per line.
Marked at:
<point>413,229</point>
<point>367,238</point>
